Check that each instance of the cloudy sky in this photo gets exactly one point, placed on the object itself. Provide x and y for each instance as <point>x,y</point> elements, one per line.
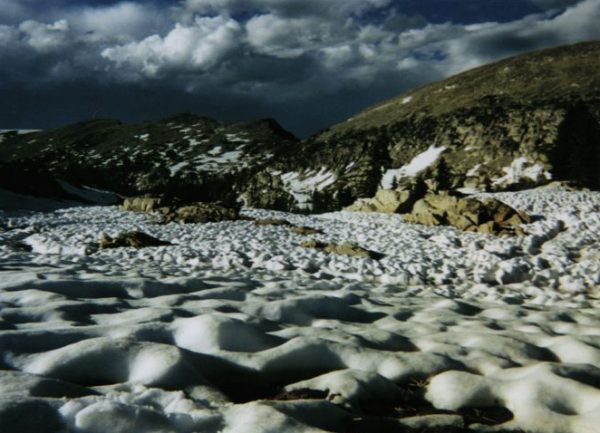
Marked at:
<point>308,63</point>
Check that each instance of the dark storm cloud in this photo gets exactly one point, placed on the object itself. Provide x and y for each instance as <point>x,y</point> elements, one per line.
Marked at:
<point>309,63</point>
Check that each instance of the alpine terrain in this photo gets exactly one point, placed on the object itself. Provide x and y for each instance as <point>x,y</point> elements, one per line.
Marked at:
<point>430,265</point>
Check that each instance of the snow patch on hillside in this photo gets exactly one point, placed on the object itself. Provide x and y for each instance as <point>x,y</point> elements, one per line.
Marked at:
<point>522,169</point>
<point>91,195</point>
<point>302,185</point>
<point>416,165</point>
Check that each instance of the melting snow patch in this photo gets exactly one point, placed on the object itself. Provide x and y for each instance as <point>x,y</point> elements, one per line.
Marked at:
<point>90,194</point>
<point>302,185</point>
<point>215,151</point>
<point>518,171</point>
<point>193,142</point>
<point>236,138</point>
<point>19,131</point>
<point>174,169</point>
<point>473,171</point>
<point>416,165</point>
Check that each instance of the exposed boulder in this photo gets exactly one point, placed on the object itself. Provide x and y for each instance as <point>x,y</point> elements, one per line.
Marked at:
<point>144,203</point>
<point>305,231</point>
<point>485,216</point>
<point>199,213</point>
<point>272,222</point>
<point>398,200</point>
<point>175,210</point>
<point>300,230</point>
<point>344,249</point>
<point>130,239</point>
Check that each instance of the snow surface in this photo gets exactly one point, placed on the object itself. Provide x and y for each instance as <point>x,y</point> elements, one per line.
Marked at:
<point>199,336</point>
<point>416,165</point>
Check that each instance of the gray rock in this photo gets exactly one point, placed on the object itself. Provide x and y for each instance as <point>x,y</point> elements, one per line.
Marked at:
<point>130,239</point>
<point>345,249</point>
<point>435,421</point>
<point>143,203</point>
<point>200,213</point>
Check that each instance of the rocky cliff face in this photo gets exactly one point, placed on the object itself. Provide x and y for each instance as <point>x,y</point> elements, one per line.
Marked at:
<point>518,123</point>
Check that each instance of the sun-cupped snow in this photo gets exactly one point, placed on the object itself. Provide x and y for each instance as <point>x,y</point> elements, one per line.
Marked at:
<point>237,327</point>
<point>416,165</point>
<point>302,185</point>
<point>522,169</point>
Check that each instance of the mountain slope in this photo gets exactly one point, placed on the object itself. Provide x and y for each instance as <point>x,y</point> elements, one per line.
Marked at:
<point>517,123</point>
<point>567,74</point>
<point>192,157</point>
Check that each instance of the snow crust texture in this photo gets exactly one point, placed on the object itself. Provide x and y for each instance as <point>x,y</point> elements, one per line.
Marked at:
<point>237,328</point>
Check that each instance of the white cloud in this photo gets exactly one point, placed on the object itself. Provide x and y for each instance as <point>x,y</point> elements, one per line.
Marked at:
<point>45,37</point>
<point>8,36</point>
<point>581,22</point>
<point>197,47</point>
<point>467,47</point>
<point>290,37</point>
<point>126,18</point>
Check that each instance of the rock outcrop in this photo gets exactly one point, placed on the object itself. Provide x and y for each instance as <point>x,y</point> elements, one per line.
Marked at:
<point>174,210</point>
<point>518,123</point>
<point>144,203</point>
<point>130,239</point>
<point>300,230</point>
<point>200,213</point>
<point>398,200</point>
<point>485,216</point>
<point>344,249</point>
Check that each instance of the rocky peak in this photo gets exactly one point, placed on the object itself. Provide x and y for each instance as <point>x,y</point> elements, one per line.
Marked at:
<point>192,157</point>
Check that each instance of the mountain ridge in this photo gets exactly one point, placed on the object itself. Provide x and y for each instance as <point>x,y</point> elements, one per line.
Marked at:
<point>517,123</point>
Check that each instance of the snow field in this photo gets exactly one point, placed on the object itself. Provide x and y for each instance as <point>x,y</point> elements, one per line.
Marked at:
<point>206,335</point>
